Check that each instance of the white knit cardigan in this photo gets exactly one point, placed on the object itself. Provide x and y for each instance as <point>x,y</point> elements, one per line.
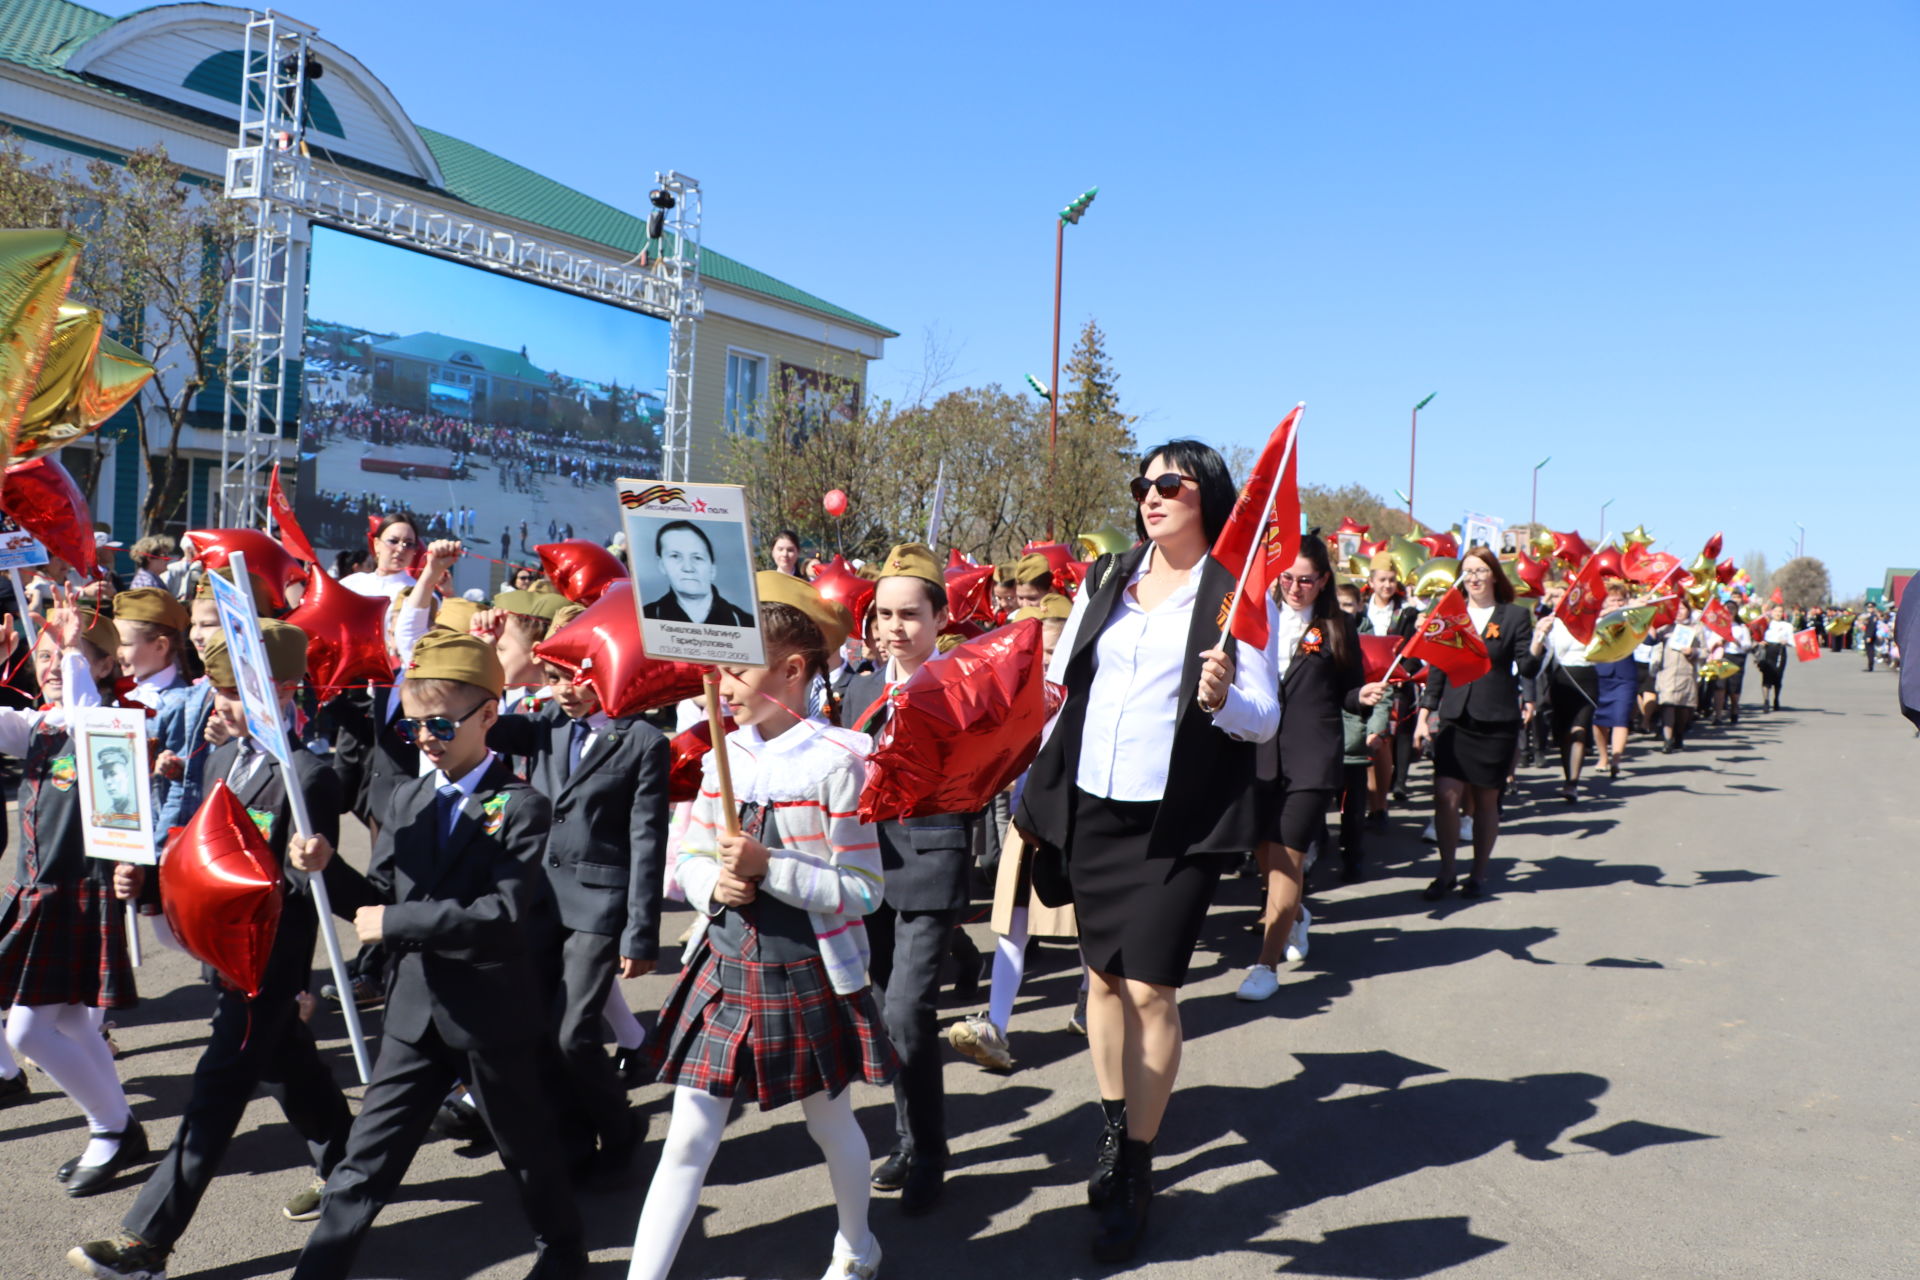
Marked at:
<point>811,777</point>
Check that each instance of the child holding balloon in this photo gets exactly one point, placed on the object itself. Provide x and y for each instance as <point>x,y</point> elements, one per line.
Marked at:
<point>774,1003</point>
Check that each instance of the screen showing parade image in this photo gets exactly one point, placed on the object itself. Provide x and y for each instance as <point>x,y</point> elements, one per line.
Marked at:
<point>494,410</point>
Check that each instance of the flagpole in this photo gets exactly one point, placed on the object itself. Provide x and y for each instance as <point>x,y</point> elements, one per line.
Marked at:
<point>1266,514</point>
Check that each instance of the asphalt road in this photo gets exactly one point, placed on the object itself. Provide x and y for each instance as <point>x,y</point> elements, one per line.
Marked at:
<point>1677,1041</point>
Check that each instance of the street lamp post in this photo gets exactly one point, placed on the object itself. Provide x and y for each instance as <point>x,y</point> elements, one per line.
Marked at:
<point>1072,213</point>
<point>1533,516</point>
<point>1603,519</point>
<point>1801,543</point>
<point>1413,441</point>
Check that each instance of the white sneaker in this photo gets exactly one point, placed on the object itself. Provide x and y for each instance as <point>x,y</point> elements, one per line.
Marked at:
<point>1466,829</point>
<point>864,1265</point>
<point>1430,835</point>
<point>1297,936</point>
<point>980,1040</point>
<point>1261,982</point>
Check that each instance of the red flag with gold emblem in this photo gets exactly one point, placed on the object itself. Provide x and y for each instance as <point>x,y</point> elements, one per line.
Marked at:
<point>1262,535</point>
<point>1447,640</point>
<point>1579,609</point>
<point>1806,645</point>
<point>1717,619</point>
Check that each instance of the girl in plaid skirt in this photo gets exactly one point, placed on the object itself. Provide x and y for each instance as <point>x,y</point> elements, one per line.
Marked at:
<point>773,1003</point>
<point>63,932</point>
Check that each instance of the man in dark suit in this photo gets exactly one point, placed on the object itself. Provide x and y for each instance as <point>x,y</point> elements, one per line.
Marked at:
<point>686,558</point>
<point>928,864</point>
<point>606,862</point>
<point>260,1042</point>
<point>465,914</point>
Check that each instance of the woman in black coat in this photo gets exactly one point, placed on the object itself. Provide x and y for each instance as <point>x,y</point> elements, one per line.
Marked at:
<point>1318,650</point>
<point>1146,789</point>
<point>1475,727</point>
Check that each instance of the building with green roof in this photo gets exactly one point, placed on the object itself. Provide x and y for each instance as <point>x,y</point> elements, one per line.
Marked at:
<point>81,85</point>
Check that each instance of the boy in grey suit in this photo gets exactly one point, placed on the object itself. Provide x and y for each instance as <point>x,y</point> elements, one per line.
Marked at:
<point>605,861</point>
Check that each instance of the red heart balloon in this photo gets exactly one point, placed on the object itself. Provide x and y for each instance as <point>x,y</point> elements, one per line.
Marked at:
<point>603,644</point>
<point>346,635</point>
<point>843,586</point>
<point>266,558</point>
<point>962,728</point>
<point>220,889</point>
<point>43,498</point>
<point>581,568</point>
<point>970,594</point>
<point>686,751</point>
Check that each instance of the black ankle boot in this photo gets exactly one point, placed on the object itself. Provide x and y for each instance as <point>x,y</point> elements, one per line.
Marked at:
<point>1107,1162</point>
<point>1124,1219</point>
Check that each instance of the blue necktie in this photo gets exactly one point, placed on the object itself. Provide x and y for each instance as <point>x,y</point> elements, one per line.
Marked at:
<point>449,809</point>
<point>576,743</point>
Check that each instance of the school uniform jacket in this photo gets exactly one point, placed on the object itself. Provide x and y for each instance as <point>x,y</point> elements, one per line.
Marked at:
<point>1490,699</point>
<point>262,790</point>
<point>1306,754</point>
<point>606,850</point>
<point>1213,805</point>
<point>469,915</point>
<point>928,860</point>
<point>179,726</point>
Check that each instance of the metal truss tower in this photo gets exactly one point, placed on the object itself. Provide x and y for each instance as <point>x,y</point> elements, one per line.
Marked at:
<point>271,170</point>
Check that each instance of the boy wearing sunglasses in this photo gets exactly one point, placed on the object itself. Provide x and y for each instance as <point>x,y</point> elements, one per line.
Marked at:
<point>466,920</point>
<point>259,1042</point>
<point>605,861</point>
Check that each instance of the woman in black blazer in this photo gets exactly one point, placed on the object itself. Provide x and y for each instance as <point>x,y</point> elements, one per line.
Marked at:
<point>1154,712</point>
<point>1474,727</point>
<point>1321,677</point>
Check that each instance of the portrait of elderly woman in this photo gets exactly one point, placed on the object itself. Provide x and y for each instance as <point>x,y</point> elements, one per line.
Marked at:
<point>684,556</point>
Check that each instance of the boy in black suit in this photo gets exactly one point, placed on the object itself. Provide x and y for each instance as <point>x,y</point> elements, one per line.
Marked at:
<point>467,916</point>
<point>605,861</point>
<point>262,1041</point>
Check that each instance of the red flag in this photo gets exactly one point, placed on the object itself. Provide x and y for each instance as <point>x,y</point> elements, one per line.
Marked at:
<point>1776,597</point>
<point>1716,619</point>
<point>1272,491</point>
<point>1806,645</point>
<point>1579,609</point>
<point>1377,654</point>
<point>292,536</point>
<point>1448,641</point>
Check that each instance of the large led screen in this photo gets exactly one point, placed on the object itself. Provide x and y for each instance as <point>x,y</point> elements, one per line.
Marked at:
<point>494,410</point>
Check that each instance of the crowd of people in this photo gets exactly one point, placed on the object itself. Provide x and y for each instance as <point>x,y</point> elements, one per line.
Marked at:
<point>525,853</point>
<point>522,453</point>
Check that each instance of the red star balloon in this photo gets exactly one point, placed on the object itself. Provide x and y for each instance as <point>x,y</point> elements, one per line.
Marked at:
<point>581,568</point>
<point>962,728</point>
<point>603,645</point>
<point>1532,572</point>
<point>44,500</point>
<point>840,584</point>
<point>1610,563</point>
<point>1726,571</point>
<point>1712,550</point>
<point>1368,550</point>
<point>956,560</point>
<point>1058,554</point>
<point>1571,549</point>
<point>346,635</point>
<point>220,890</point>
<point>265,557</point>
<point>970,594</point>
<point>1440,546</point>
<point>1349,525</point>
<point>685,753</point>
<point>1377,654</point>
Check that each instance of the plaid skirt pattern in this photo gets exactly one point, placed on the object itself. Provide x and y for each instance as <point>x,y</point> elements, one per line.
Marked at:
<point>773,1033</point>
<point>65,944</point>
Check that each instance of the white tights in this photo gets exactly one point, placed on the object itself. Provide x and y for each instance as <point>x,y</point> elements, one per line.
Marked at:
<point>627,1031</point>
<point>693,1136</point>
<point>63,1040</point>
<point>1009,968</point>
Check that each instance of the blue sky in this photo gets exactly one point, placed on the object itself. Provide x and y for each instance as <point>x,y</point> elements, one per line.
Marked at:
<point>353,280</point>
<point>1672,245</point>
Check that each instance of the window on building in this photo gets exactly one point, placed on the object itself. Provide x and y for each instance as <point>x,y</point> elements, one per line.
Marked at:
<point>746,383</point>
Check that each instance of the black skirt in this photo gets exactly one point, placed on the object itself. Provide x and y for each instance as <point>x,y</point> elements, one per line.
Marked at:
<point>1140,917</point>
<point>1476,752</point>
<point>1300,814</point>
<point>1576,691</point>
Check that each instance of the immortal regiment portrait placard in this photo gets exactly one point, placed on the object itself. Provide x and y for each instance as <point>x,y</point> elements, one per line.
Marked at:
<point>691,548</point>
<point>110,765</point>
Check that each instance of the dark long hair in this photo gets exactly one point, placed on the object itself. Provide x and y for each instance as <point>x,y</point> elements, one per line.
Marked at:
<point>1209,471</point>
<point>1333,620</point>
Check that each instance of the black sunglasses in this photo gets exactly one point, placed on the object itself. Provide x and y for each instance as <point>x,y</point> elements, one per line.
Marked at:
<point>440,727</point>
<point>1168,483</point>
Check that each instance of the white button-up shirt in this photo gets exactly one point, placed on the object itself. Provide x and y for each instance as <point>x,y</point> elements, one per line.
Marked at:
<point>1293,624</point>
<point>1126,742</point>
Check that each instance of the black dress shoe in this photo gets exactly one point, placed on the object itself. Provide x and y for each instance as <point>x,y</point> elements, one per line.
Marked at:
<point>1470,888</point>
<point>15,1089</point>
<point>88,1180</point>
<point>926,1179</point>
<point>892,1173</point>
<point>65,1171</point>
<point>629,1066</point>
<point>1124,1218</point>
<point>559,1262</point>
<point>1106,1160</point>
<point>1352,873</point>
<point>460,1120</point>
<point>1439,889</point>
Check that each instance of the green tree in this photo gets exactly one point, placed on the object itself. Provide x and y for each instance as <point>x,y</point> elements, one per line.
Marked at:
<point>1803,582</point>
<point>1755,563</point>
<point>1086,487</point>
<point>160,249</point>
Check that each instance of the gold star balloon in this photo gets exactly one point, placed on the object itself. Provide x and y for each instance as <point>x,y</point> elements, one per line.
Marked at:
<point>85,379</point>
<point>36,268</point>
<point>1705,582</point>
<point>1104,541</point>
<point>1620,632</point>
<point>1542,542</point>
<point>1407,554</point>
<point>1636,536</point>
<point>1436,577</point>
